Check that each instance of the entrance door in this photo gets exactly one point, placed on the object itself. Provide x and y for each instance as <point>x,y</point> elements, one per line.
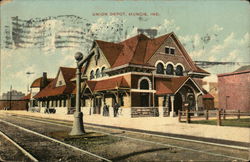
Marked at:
<point>144,99</point>
<point>177,103</point>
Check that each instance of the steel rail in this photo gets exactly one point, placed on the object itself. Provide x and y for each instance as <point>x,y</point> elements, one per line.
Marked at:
<point>54,140</point>
<point>146,141</point>
<point>152,134</point>
<point>25,152</point>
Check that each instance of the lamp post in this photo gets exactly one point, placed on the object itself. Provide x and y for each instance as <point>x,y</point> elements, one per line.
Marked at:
<point>77,128</point>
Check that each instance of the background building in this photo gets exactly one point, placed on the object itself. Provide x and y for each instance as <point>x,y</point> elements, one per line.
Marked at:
<point>234,89</point>
<point>13,94</point>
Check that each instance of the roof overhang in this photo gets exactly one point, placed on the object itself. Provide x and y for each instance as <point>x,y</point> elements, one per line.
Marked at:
<point>197,73</point>
<point>130,65</point>
<point>197,86</point>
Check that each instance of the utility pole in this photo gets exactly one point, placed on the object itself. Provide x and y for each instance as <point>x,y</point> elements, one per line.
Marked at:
<point>10,95</point>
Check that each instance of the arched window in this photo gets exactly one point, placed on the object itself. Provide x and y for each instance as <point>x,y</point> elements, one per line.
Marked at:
<point>92,75</point>
<point>170,69</point>
<point>179,70</point>
<point>98,73</point>
<point>160,68</point>
<point>103,73</point>
<point>144,84</point>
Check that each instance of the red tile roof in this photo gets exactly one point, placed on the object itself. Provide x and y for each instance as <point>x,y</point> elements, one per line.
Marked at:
<point>138,50</point>
<point>52,90</point>
<point>208,96</point>
<point>135,50</point>
<point>108,84</point>
<point>199,70</point>
<point>37,82</point>
<point>169,85</point>
<point>27,97</point>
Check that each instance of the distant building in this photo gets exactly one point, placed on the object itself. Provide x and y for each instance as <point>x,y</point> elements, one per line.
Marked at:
<point>212,89</point>
<point>234,89</point>
<point>13,95</point>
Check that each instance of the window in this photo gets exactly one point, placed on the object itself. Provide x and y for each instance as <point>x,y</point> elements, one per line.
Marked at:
<point>60,83</point>
<point>167,50</point>
<point>170,50</point>
<point>179,70</point>
<point>160,68</point>
<point>92,75</point>
<point>97,73</point>
<point>64,103</point>
<point>144,84</point>
<point>103,73</point>
<point>170,69</point>
<point>60,103</point>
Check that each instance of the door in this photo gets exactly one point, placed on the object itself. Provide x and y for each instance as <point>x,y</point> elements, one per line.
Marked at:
<point>144,99</point>
<point>177,103</point>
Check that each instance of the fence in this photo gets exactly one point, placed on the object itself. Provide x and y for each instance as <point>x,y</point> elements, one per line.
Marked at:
<point>219,114</point>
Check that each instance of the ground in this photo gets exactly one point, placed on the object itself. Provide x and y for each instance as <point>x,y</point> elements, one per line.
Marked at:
<point>117,144</point>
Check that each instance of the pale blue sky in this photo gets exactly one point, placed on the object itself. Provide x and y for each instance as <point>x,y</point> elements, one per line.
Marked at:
<point>189,19</point>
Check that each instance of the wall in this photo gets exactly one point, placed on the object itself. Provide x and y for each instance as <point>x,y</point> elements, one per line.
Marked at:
<point>15,104</point>
<point>102,62</point>
<point>234,91</point>
<point>176,58</point>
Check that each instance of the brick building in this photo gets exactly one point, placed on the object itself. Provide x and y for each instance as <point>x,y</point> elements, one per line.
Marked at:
<point>141,76</point>
<point>234,89</point>
<point>137,77</point>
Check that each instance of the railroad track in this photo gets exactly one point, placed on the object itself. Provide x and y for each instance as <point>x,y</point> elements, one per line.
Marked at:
<point>68,125</point>
<point>230,144</point>
<point>39,147</point>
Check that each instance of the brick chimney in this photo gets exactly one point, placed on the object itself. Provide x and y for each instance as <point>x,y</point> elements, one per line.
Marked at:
<point>44,81</point>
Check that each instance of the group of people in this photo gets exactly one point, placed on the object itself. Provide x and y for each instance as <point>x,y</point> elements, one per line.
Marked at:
<point>106,109</point>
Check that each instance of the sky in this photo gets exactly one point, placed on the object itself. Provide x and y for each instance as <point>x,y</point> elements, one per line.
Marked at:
<point>209,30</point>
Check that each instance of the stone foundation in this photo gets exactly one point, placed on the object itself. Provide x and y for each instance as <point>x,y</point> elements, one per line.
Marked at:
<point>144,112</point>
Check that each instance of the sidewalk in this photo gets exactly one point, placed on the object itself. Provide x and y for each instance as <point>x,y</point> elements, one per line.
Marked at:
<point>164,124</point>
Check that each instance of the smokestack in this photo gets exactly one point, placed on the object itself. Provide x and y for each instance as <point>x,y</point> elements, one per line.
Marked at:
<point>44,81</point>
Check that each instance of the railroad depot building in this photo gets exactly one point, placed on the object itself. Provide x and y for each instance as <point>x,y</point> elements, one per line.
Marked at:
<point>54,93</point>
<point>137,77</point>
<point>234,89</point>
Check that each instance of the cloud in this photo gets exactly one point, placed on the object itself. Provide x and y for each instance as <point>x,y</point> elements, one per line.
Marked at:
<point>166,27</point>
<point>216,28</point>
<point>196,53</point>
<point>212,58</point>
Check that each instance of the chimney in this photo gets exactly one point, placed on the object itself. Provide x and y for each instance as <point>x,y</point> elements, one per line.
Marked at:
<point>44,80</point>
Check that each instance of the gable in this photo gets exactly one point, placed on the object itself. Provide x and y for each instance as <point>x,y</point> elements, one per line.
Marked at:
<point>60,80</point>
<point>97,61</point>
<point>180,56</point>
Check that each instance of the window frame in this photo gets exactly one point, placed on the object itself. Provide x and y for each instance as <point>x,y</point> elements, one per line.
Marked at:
<point>157,72</point>
<point>172,72</point>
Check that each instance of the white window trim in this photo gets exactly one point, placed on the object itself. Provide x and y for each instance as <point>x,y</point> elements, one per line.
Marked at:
<point>180,65</point>
<point>170,50</point>
<point>149,82</point>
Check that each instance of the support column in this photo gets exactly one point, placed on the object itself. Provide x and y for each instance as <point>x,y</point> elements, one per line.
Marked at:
<point>196,103</point>
<point>160,102</point>
<point>172,113</point>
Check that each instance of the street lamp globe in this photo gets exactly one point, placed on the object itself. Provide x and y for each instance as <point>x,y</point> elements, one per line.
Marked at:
<point>78,56</point>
